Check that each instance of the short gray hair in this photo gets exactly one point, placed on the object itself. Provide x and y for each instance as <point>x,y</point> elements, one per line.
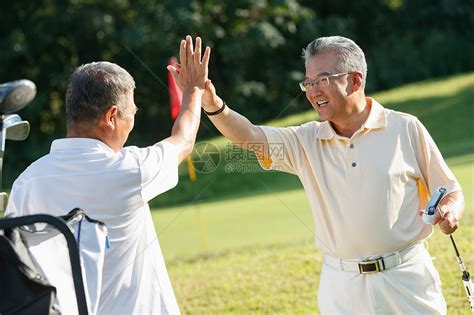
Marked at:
<point>93,88</point>
<point>351,57</point>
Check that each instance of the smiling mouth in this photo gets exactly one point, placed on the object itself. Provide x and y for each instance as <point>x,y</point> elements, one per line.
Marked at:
<point>322,103</point>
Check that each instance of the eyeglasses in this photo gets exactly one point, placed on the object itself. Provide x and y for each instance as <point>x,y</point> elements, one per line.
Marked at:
<point>320,82</point>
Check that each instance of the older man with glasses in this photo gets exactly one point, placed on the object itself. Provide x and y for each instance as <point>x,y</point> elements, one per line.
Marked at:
<point>366,171</point>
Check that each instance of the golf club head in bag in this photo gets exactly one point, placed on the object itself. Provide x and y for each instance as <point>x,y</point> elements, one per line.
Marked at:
<point>14,128</point>
<point>15,95</point>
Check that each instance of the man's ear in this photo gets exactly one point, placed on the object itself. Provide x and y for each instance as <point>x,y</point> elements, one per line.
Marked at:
<point>109,119</point>
<point>357,79</point>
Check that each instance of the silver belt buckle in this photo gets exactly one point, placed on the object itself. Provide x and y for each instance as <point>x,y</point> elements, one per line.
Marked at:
<point>371,266</point>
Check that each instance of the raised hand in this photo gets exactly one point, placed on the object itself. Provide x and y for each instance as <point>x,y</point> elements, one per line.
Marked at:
<point>210,100</point>
<point>192,71</point>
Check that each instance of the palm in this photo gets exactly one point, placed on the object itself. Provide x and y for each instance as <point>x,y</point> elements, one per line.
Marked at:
<point>209,96</point>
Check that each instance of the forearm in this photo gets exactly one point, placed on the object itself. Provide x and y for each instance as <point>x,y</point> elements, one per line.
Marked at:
<point>186,125</point>
<point>235,126</point>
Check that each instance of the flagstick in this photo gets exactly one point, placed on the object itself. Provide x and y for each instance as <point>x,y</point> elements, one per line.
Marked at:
<point>191,169</point>
<point>202,232</point>
<point>200,221</point>
<point>176,97</point>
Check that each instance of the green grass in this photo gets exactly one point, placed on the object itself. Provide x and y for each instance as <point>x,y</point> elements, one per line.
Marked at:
<point>250,249</point>
<point>229,224</point>
<point>280,278</point>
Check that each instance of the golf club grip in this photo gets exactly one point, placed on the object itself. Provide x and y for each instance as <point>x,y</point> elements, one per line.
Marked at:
<point>432,206</point>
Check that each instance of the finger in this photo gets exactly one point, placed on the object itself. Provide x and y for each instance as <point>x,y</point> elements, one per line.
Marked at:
<point>173,68</point>
<point>205,58</point>
<point>448,228</point>
<point>182,53</point>
<point>447,223</point>
<point>210,87</point>
<point>177,66</point>
<point>420,212</point>
<point>197,52</point>
<point>189,48</point>
<point>443,209</point>
<point>437,218</point>
<point>173,72</point>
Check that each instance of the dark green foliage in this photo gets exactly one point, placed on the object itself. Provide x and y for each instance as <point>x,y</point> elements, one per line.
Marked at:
<point>255,61</point>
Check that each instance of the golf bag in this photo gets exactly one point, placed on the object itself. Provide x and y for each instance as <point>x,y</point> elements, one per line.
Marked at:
<point>51,265</point>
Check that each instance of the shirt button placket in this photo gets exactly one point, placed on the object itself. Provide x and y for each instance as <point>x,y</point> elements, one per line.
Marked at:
<point>353,167</point>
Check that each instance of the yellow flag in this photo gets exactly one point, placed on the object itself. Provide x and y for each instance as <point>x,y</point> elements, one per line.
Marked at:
<point>191,169</point>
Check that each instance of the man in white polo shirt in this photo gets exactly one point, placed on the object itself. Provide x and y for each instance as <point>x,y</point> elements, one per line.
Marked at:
<point>92,170</point>
<point>366,170</point>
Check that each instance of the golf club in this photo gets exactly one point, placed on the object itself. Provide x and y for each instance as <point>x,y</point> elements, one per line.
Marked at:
<point>13,96</point>
<point>14,128</point>
<point>428,217</point>
<point>466,277</point>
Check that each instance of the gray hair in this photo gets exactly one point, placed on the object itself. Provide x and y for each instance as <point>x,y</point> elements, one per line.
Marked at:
<point>351,57</point>
<point>93,88</point>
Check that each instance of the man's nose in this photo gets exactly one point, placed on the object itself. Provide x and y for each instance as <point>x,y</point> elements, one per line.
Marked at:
<point>313,90</point>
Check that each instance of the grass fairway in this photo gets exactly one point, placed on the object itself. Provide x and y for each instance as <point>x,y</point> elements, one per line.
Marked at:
<point>251,250</point>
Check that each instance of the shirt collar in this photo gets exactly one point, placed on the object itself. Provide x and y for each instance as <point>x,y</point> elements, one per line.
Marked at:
<point>375,120</point>
<point>70,144</point>
<point>376,117</point>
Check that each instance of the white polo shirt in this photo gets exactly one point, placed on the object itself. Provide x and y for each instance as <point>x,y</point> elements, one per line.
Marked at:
<point>114,188</point>
<point>364,191</point>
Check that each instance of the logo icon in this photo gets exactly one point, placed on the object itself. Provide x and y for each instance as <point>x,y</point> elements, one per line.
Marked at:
<point>206,157</point>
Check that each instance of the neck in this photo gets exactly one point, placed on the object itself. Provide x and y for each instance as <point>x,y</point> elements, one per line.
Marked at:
<point>356,118</point>
<point>90,132</point>
<point>83,131</point>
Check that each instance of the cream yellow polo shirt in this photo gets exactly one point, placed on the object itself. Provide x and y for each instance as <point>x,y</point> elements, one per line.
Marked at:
<point>364,191</point>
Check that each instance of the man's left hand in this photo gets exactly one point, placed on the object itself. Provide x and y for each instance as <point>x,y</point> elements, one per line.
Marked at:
<point>449,212</point>
<point>447,219</point>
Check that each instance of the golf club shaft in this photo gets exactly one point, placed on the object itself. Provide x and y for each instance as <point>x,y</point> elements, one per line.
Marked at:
<point>466,277</point>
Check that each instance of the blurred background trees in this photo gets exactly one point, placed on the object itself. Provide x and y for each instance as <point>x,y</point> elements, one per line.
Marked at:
<point>256,47</point>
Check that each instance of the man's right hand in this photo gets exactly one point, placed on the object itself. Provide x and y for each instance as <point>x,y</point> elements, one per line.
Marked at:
<point>190,76</point>
<point>191,71</point>
<point>211,102</point>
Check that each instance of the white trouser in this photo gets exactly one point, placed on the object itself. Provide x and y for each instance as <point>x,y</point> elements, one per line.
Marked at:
<point>411,287</point>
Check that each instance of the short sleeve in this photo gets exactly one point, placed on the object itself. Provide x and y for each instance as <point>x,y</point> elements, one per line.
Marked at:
<point>433,167</point>
<point>16,199</point>
<point>158,169</point>
<point>283,149</point>
<point>11,208</point>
